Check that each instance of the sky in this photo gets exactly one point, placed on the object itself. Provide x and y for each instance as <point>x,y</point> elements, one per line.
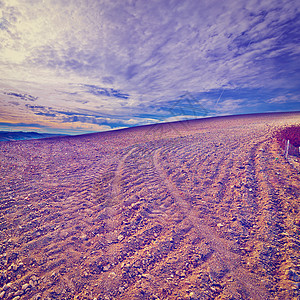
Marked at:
<point>82,66</point>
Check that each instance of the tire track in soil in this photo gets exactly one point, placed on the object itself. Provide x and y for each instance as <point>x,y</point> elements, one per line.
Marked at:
<point>243,278</point>
<point>140,174</point>
<point>126,169</point>
<point>116,189</point>
<point>276,255</point>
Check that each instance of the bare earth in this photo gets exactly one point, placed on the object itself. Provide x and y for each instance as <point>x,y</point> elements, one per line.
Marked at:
<point>205,209</point>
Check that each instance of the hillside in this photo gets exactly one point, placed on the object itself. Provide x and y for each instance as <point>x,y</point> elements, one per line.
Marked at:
<point>203,209</point>
<point>20,135</point>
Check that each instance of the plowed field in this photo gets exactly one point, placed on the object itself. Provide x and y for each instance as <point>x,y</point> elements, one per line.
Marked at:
<point>204,209</point>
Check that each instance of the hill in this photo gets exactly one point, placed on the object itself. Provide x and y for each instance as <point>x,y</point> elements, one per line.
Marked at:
<point>203,209</point>
<point>20,135</point>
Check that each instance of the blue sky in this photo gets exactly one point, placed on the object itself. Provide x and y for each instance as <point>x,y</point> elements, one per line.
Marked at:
<point>84,66</point>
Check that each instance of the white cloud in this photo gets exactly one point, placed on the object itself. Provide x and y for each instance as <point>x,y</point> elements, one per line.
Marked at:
<point>151,50</point>
<point>284,99</point>
<point>230,105</point>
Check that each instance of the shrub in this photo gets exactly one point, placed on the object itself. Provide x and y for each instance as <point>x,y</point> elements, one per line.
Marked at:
<point>291,133</point>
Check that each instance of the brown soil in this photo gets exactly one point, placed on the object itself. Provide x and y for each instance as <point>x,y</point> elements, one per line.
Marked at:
<point>205,209</point>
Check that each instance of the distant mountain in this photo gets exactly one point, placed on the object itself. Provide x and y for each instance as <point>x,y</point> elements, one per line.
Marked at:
<point>20,135</point>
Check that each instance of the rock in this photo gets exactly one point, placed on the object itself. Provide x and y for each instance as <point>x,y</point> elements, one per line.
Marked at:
<point>34,278</point>
<point>219,225</point>
<point>193,296</point>
<point>147,276</point>
<point>120,237</point>
<point>19,293</point>
<point>7,286</point>
<point>31,283</point>
<point>112,275</point>
<point>292,275</point>
<point>85,274</point>
<point>296,285</point>
<point>25,286</point>
<point>106,268</point>
<point>16,298</point>
<point>2,294</point>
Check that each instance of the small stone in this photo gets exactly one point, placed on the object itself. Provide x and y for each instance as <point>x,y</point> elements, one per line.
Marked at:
<point>106,268</point>
<point>296,285</point>
<point>147,276</point>
<point>19,293</point>
<point>120,237</point>
<point>219,225</point>
<point>85,274</point>
<point>292,275</point>
<point>16,298</point>
<point>7,286</point>
<point>25,286</point>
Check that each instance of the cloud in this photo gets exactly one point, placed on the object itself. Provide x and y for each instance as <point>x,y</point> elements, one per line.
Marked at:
<point>113,59</point>
<point>158,46</point>
<point>230,106</point>
<point>182,118</point>
<point>22,125</point>
<point>45,114</point>
<point>100,91</point>
<point>284,99</point>
<point>25,97</point>
<point>14,103</point>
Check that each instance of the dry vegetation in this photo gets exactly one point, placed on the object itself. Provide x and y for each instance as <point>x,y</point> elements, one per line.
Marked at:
<point>204,209</point>
<point>291,133</point>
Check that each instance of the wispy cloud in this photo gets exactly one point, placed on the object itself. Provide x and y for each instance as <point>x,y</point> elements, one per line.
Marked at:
<point>100,91</point>
<point>284,99</point>
<point>25,97</point>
